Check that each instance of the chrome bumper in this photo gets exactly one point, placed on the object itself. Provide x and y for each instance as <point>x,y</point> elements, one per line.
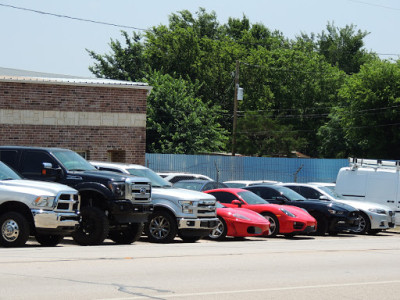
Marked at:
<point>45,219</point>
<point>209,223</point>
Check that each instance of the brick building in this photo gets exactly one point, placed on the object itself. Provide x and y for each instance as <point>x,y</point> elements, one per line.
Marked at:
<point>99,118</point>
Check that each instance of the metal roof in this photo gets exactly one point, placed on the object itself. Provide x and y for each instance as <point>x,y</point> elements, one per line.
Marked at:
<point>15,75</point>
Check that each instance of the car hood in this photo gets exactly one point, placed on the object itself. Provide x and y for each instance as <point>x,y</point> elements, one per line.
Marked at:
<point>180,194</point>
<point>36,187</point>
<point>364,205</point>
<point>252,215</point>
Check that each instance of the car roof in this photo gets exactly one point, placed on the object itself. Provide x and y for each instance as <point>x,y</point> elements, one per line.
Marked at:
<point>115,164</point>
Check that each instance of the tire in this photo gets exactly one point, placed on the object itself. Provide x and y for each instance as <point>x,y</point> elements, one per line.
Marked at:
<point>219,232</point>
<point>93,228</point>
<point>273,220</point>
<point>364,225</point>
<point>14,229</point>
<point>49,240</point>
<point>322,224</point>
<point>161,227</point>
<point>127,235</point>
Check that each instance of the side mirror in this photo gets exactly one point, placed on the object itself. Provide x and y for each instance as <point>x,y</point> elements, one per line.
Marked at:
<point>323,197</point>
<point>281,200</point>
<point>237,202</point>
<point>49,171</point>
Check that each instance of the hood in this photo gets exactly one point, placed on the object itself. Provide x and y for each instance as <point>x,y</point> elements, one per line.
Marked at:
<point>106,176</point>
<point>38,188</point>
<point>364,205</point>
<point>336,204</point>
<point>251,215</point>
<point>180,194</point>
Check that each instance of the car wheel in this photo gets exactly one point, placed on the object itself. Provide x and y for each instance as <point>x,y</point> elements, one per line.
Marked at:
<point>364,226</point>
<point>219,232</point>
<point>274,223</point>
<point>49,240</point>
<point>127,235</point>
<point>14,229</point>
<point>161,227</point>
<point>93,228</point>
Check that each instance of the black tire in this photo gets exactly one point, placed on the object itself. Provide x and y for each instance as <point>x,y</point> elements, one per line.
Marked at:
<point>93,228</point>
<point>161,227</point>
<point>219,232</point>
<point>364,225</point>
<point>14,229</point>
<point>322,224</point>
<point>49,240</point>
<point>273,220</point>
<point>127,235</point>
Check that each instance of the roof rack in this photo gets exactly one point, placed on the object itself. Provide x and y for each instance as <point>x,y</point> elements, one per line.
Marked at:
<point>374,163</point>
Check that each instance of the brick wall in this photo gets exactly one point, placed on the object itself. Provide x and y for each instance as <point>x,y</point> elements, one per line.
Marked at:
<point>27,126</point>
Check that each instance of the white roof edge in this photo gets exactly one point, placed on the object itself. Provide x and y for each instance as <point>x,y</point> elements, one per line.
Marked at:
<point>99,82</point>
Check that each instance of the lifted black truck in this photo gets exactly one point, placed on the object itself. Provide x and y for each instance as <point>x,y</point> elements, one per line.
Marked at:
<point>112,205</point>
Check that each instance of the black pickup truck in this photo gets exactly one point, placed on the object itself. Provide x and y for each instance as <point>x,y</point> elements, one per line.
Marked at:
<point>332,217</point>
<point>112,205</point>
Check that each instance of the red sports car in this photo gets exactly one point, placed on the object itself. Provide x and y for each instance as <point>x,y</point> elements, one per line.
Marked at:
<point>284,219</point>
<point>238,222</point>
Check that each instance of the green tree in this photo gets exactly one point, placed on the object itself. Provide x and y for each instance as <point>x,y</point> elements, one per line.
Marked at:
<point>369,110</point>
<point>125,62</point>
<point>178,121</point>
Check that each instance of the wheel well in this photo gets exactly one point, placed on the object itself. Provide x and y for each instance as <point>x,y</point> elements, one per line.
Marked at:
<point>164,209</point>
<point>93,198</point>
<point>20,208</point>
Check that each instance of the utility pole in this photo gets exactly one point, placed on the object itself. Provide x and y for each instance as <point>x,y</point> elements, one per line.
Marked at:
<point>235,105</point>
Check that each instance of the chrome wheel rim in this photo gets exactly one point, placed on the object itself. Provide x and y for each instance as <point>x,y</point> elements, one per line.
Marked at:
<point>361,225</point>
<point>159,227</point>
<point>217,231</point>
<point>272,226</point>
<point>10,230</point>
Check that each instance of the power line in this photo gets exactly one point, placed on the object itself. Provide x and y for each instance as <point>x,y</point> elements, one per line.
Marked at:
<point>72,18</point>
<point>373,4</point>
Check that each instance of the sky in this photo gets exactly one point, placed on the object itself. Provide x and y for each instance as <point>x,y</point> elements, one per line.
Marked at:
<point>42,42</point>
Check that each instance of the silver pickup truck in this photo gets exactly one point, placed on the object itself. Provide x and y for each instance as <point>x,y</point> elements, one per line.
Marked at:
<point>46,210</point>
<point>188,214</point>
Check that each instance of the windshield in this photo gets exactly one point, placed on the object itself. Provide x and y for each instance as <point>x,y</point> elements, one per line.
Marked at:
<point>72,161</point>
<point>6,173</point>
<point>156,180</point>
<point>252,198</point>
<point>331,192</point>
<point>289,193</point>
<point>193,185</point>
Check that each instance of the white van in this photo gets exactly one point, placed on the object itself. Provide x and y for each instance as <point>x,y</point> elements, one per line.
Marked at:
<point>373,181</point>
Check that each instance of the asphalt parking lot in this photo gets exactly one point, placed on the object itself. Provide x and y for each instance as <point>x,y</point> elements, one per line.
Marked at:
<point>332,267</point>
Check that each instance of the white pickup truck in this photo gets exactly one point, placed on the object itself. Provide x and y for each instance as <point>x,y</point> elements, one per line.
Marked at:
<point>46,210</point>
<point>188,214</point>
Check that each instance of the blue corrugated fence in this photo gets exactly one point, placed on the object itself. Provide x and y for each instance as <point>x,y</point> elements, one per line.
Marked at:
<point>249,168</point>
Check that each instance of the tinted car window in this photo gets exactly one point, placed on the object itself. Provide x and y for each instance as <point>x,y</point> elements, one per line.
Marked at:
<point>32,163</point>
<point>224,197</point>
<point>265,192</point>
<point>179,178</point>
<point>9,157</point>
<point>309,193</point>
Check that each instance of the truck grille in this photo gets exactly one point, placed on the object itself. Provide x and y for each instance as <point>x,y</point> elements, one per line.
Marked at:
<point>206,209</point>
<point>141,192</point>
<point>68,202</point>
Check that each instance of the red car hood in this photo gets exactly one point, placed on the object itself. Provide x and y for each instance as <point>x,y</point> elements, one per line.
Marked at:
<point>299,212</point>
<point>252,215</point>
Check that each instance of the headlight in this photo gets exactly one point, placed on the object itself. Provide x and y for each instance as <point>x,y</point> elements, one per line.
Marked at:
<point>44,201</point>
<point>187,206</point>
<point>336,212</point>
<point>288,213</point>
<point>118,188</point>
<point>378,211</point>
<point>240,216</point>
